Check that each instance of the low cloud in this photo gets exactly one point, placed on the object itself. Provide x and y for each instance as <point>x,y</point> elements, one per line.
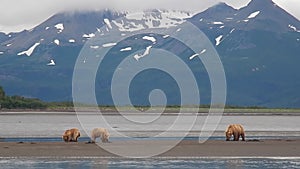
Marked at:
<point>16,15</point>
<point>29,13</point>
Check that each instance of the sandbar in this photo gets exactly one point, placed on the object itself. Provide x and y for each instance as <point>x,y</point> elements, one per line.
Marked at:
<point>186,148</point>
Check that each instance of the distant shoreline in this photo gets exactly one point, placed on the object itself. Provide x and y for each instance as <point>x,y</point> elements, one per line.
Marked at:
<point>167,111</point>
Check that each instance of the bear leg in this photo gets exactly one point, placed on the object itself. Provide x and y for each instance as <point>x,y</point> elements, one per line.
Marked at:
<point>236,136</point>
<point>103,138</point>
<point>71,137</point>
<point>76,139</point>
<point>78,135</point>
<point>93,139</point>
<point>243,136</point>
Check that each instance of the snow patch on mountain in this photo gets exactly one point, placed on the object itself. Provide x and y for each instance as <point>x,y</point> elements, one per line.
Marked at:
<point>166,36</point>
<point>56,41</point>
<point>149,38</point>
<point>146,52</point>
<point>51,63</point>
<point>194,55</point>
<point>150,19</point>
<point>126,49</point>
<point>59,27</point>
<point>197,54</point>
<point>253,15</point>
<point>107,22</point>
<point>88,35</point>
<point>72,40</point>
<point>218,40</point>
<point>106,45</point>
<point>232,30</point>
<point>94,47</point>
<point>217,23</point>
<point>203,51</point>
<point>293,28</point>
<point>129,26</point>
<point>29,51</point>
<point>255,69</point>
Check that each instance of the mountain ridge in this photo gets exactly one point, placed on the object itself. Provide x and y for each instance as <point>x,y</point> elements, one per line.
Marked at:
<point>258,45</point>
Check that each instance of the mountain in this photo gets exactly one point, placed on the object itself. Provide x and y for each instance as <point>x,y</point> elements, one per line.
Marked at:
<point>259,46</point>
<point>257,15</point>
<point>39,62</point>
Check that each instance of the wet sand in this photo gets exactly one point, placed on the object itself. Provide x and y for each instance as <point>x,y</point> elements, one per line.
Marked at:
<point>186,148</point>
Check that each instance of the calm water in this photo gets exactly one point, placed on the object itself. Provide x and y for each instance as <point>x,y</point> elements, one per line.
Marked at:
<point>92,163</point>
<point>53,125</point>
<point>49,127</point>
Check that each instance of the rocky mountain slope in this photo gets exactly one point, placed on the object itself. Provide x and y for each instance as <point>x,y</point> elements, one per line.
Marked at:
<point>259,46</point>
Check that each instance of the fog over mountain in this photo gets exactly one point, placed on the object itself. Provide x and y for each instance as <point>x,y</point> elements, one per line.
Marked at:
<point>28,14</point>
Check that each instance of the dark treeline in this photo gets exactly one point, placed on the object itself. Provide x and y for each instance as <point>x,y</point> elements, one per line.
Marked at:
<point>20,102</point>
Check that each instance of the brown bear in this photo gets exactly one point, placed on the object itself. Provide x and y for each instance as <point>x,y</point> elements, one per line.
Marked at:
<point>236,130</point>
<point>71,135</point>
<point>100,132</point>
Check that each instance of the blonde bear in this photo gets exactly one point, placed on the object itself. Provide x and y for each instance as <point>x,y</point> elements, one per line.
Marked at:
<point>71,135</point>
<point>100,132</point>
<point>236,130</point>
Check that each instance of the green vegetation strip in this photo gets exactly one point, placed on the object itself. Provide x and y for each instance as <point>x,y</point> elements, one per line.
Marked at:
<point>34,104</point>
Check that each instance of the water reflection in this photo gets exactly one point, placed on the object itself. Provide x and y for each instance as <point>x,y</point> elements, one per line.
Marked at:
<point>120,163</point>
<point>234,164</point>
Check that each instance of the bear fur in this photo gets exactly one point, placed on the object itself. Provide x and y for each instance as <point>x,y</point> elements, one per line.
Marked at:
<point>71,135</point>
<point>236,130</point>
<point>100,132</point>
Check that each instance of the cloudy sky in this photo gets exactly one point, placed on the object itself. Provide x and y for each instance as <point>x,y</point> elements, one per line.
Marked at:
<point>16,15</point>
